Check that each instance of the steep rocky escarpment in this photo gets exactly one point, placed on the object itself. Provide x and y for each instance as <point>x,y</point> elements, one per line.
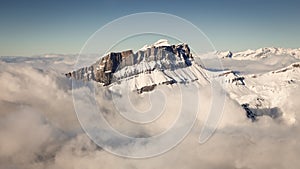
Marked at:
<point>145,60</point>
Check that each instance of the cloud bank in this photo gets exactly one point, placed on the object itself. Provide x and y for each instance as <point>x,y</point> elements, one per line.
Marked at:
<point>39,129</point>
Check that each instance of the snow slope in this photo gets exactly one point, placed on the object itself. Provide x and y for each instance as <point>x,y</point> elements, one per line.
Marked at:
<point>265,93</point>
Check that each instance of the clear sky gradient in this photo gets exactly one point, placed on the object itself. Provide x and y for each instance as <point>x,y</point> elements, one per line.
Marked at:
<point>37,27</point>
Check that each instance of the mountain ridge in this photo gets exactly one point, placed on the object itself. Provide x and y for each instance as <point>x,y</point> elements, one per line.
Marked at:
<point>259,53</point>
<point>160,63</point>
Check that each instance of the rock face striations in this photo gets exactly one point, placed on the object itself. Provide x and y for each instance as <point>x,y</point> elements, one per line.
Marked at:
<point>127,63</point>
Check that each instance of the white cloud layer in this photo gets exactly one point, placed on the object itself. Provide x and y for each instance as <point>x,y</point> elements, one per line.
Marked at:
<point>39,130</point>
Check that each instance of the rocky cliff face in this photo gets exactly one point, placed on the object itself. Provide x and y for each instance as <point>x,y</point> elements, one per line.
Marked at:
<point>145,60</point>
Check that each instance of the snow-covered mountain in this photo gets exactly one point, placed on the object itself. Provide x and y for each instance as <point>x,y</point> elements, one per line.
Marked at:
<point>152,65</point>
<point>260,94</point>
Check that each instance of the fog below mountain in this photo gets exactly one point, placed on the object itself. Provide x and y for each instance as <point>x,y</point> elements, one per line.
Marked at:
<point>39,128</point>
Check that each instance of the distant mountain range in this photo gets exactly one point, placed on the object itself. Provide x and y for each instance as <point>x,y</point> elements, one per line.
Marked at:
<point>259,53</point>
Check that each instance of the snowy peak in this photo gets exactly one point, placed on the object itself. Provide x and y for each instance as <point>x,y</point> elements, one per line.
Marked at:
<point>159,43</point>
<point>227,54</point>
<point>156,64</point>
<point>232,77</point>
<point>162,42</point>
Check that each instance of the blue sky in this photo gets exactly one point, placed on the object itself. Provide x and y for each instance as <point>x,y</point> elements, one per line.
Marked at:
<point>37,27</point>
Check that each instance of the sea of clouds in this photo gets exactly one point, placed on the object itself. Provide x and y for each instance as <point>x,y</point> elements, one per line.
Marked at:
<point>39,128</point>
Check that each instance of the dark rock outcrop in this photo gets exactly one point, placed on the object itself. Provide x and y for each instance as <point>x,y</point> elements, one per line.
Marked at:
<point>254,113</point>
<point>229,55</point>
<point>102,71</point>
